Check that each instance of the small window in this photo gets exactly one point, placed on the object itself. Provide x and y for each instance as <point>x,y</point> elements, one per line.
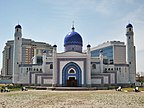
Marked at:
<point>111,68</point>
<point>129,37</point>
<point>93,66</point>
<point>119,68</point>
<point>129,29</point>
<point>37,69</point>
<point>34,69</point>
<point>18,38</point>
<point>40,69</point>
<point>51,66</point>
<point>71,71</point>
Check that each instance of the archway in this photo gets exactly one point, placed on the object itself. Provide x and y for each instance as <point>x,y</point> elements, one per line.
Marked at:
<point>71,75</point>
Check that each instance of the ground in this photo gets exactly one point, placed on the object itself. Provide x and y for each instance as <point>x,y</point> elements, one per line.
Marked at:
<point>71,99</point>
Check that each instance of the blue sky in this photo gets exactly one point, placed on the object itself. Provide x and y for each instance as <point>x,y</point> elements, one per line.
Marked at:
<point>96,20</point>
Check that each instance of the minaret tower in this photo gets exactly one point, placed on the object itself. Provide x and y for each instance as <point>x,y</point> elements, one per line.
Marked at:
<point>17,53</point>
<point>131,59</point>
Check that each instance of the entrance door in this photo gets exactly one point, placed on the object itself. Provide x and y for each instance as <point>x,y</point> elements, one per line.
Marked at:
<point>71,82</point>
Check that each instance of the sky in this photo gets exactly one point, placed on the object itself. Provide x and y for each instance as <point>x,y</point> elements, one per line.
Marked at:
<point>97,21</point>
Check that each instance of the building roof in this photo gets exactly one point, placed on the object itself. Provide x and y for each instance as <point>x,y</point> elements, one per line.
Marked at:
<point>129,25</point>
<point>18,26</point>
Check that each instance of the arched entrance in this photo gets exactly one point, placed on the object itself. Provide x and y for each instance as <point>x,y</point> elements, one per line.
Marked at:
<point>71,75</point>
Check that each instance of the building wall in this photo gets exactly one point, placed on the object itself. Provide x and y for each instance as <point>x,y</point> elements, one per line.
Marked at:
<point>119,54</point>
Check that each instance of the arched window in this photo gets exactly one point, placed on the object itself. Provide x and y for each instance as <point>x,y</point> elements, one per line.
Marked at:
<point>129,29</point>
<point>34,69</point>
<point>71,71</point>
<point>51,66</point>
<point>40,69</point>
<point>37,69</point>
<point>93,66</point>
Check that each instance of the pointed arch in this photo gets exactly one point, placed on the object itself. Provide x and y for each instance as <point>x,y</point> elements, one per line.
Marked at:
<point>71,69</point>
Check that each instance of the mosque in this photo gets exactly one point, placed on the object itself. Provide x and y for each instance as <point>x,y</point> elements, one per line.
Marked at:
<point>111,63</point>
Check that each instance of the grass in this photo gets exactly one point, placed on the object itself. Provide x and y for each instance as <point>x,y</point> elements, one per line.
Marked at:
<point>12,87</point>
<point>131,89</point>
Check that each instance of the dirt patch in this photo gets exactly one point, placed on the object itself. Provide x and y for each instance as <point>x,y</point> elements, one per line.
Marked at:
<point>71,99</point>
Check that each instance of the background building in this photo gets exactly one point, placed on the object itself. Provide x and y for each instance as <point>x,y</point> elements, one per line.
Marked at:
<point>30,49</point>
<point>114,51</point>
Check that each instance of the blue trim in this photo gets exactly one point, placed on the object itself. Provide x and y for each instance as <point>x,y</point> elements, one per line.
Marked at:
<point>95,62</point>
<point>121,65</point>
<point>65,73</point>
<point>49,62</point>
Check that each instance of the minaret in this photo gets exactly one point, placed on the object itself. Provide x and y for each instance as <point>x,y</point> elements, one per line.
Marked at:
<point>101,61</point>
<point>131,59</point>
<point>88,74</point>
<point>54,83</point>
<point>17,53</point>
<point>44,61</point>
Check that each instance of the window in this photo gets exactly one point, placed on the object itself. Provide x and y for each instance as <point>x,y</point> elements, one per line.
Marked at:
<point>51,66</point>
<point>37,69</point>
<point>37,51</point>
<point>120,69</point>
<point>93,66</point>
<point>71,71</point>
<point>129,29</point>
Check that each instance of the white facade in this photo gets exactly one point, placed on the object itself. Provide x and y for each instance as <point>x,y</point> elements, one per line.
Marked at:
<point>76,68</point>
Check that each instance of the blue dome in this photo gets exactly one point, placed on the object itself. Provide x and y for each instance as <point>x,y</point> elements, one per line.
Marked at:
<point>129,25</point>
<point>73,38</point>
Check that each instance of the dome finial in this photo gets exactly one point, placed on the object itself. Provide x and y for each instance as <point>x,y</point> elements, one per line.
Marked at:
<point>73,26</point>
